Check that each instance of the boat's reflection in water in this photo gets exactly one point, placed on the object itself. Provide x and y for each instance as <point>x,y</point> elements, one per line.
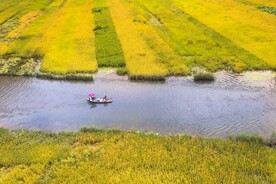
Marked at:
<point>94,105</point>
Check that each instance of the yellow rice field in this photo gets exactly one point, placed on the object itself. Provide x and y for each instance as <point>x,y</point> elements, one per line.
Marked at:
<point>155,38</point>
<point>25,20</point>
<point>244,25</point>
<point>175,64</point>
<point>15,17</point>
<point>71,49</point>
<point>33,40</point>
<point>140,58</point>
<point>7,10</point>
<point>63,37</point>
<point>97,156</point>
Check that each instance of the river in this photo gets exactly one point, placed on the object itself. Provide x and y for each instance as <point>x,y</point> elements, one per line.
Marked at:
<point>231,105</point>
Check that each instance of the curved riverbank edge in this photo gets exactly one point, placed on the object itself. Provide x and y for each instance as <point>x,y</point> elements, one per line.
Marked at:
<point>198,77</point>
<point>252,138</point>
<point>114,156</point>
<point>31,67</point>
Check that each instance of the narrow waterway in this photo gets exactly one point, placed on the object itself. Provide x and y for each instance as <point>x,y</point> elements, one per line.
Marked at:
<point>231,105</point>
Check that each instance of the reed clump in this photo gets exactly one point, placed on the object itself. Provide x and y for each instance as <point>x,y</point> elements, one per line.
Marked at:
<point>255,139</point>
<point>76,76</point>
<point>147,77</point>
<point>200,74</point>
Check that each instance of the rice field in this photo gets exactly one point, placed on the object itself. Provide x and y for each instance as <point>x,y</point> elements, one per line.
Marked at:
<point>62,36</point>
<point>72,49</point>
<point>246,26</point>
<point>199,45</point>
<point>140,58</point>
<point>108,47</point>
<point>145,39</point>
<point>15,16</point>
<point>30,41</point>
<point>98,156</point>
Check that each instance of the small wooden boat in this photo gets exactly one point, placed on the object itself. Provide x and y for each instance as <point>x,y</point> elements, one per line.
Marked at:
<point>99,100</point>
<point>93,99</point>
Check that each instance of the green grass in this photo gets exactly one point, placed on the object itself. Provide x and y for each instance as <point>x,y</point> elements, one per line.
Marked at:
<point>108,48</point>
<point>99,156</point>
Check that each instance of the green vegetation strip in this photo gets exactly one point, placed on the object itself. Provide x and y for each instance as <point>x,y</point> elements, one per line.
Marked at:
<point>268,9</point>
<point>98,156</point>
<point>108,48</point>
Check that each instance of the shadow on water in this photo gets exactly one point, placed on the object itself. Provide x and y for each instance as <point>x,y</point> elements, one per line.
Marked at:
<point>94,105</point>
<point>231,104</point>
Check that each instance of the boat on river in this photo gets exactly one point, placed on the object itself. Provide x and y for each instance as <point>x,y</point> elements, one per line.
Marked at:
<point>93,99</point>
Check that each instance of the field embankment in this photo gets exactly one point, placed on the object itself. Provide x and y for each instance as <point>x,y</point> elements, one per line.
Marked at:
<point>99,156</point>
<point>144,39</point>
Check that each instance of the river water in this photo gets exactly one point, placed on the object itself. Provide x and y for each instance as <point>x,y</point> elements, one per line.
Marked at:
<point>233,104</point>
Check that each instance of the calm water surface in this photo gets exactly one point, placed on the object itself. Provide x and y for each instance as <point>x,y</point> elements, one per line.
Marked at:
<point>232,104</point>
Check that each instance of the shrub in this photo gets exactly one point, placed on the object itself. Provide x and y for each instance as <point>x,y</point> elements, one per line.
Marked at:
<point>256,139</point>
<point>147,77</point>
<point>122,71</point>
<point>204,76</point>
<point>91,129</point>
<point>272,140</point>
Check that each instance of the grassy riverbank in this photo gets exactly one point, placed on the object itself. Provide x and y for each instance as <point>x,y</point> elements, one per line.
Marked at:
<point>98,156</point>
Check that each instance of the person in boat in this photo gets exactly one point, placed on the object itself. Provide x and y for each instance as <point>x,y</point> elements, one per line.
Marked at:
<point>105,97</point>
